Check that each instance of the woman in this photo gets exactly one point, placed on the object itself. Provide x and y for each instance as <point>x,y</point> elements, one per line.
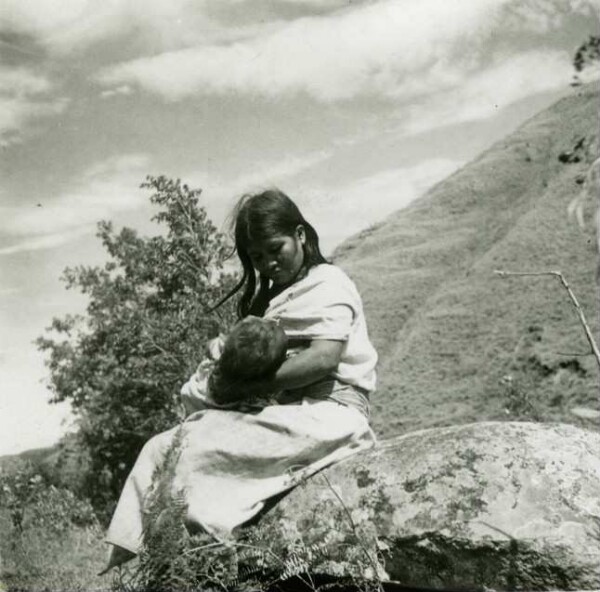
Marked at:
<point>231,463</point>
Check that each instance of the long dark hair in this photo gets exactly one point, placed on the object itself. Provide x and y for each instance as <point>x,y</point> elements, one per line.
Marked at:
<point>257,218</point>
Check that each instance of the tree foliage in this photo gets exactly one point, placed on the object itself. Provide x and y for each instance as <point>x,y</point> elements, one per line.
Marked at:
<point>121,364</point>
<point>587,54</point>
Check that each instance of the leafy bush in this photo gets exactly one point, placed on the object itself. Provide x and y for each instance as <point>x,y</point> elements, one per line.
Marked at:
<point>587,53</point>
<point>31,500</point>
<point>50,538</point>
<point>122,363</point>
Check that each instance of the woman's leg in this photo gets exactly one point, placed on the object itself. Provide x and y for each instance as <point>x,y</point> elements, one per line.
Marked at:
<point>235,462</point>
<point>125,530</point>
<point>118,556</point>
<point>232,463</point>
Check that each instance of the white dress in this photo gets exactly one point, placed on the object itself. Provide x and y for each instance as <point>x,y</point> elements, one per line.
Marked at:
<point>231,462</point>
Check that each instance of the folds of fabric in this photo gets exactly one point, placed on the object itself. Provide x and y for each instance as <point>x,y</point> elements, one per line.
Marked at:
<point>231,463</point>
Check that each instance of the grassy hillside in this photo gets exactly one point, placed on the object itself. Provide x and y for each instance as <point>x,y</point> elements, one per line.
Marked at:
<point>36,456</point>
<point>456,342</point>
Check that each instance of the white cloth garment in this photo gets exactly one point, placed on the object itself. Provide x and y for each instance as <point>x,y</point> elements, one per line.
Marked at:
<point>325,304</point>
<point>231,463</point>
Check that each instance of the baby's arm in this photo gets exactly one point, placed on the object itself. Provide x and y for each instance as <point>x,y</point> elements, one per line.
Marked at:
<point>195,394</point>
<point>214,347</point>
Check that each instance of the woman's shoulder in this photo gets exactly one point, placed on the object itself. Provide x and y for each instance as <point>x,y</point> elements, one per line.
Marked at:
<point>328,271</point>
<point>322,283</point>
<point>334,281</point>
<point>331,274</point>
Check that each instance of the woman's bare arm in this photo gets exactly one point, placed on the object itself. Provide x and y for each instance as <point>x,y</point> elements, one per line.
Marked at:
<point>317,361</point>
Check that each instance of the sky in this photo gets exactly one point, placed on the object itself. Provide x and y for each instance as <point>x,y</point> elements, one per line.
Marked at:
<point>353,107</point>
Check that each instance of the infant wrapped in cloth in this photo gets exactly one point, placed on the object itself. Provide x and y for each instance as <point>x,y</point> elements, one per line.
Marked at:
<point>254,349</point>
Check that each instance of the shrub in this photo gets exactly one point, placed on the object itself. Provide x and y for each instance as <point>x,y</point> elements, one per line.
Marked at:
<point>31,501</point>
<point>51,540</point>
<point>122,364</point>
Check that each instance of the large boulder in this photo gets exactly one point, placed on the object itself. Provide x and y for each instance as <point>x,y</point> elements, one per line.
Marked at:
<point>507,506</point>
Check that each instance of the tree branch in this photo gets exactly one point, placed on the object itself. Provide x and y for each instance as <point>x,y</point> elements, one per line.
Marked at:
<point>582,319</point>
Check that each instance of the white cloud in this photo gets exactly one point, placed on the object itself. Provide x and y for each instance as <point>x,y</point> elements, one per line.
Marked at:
<point>269,175</point>
<point>75,23</point>
<point>7,292</point>
<point>391,48</point>
<point>106,188</point>
<point>219,195</point>
<point>71,25</point>
<point>27,420</point>
<point>22,82</point>
<point>159,25</point>
<point>339,212</point>
<point>24,96</point>
<point>318,3</point>
<point>371,49</point>
<point>542,16</point>
<point>111,187</point>
<point>123,90</point>
<point>483,94</point>
<point>48,241</point>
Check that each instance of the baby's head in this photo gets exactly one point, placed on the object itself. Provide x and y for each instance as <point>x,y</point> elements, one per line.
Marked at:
<point>254,349</point>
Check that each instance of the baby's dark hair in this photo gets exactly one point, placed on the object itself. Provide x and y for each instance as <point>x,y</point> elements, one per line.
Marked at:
<point>254,349</point>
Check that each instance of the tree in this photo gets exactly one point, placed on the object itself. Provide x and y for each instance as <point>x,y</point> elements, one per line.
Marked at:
<point>587,54</point>
<point>121,365</point>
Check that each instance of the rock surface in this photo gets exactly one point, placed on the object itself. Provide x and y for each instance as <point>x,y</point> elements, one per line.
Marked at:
<point>501,505</point>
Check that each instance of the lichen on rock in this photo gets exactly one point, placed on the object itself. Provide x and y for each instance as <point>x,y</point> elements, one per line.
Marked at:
<point>502,505</point>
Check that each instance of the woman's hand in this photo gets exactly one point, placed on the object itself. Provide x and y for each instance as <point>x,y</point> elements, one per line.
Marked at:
<point>317,361</point>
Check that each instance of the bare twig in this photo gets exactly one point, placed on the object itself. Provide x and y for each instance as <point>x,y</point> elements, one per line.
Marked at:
<point>491,526</point>
<point>559,275</point>
<point>202,547</point>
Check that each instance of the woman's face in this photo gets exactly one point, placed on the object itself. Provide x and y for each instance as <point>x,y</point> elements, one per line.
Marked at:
<point>280,257</point>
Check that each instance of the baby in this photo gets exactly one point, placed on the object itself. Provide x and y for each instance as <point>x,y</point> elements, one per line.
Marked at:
<point>254,349</point>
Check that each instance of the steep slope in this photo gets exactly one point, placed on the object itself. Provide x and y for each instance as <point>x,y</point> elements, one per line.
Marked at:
<point>457,343</point>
